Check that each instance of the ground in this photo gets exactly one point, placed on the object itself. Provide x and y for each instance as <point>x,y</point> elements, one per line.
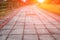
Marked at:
<point>32,23</point>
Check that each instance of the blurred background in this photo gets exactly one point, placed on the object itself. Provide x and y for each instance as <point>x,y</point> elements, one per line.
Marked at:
<point>50,5</point>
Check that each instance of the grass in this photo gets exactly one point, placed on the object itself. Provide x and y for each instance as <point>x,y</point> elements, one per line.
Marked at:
<point>51,7</point>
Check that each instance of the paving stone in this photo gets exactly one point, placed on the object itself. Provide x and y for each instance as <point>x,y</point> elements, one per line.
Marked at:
<point>15,37</point>
<point>19,27</point>
<point>7,27</point>
<point>27,22</point>
<point>46,37</point>
<point>29,26</point>
<point>54,30</point>
<point>21,20</point>
<point>50,26</point>
<point>30,37</point>
<point>58,26</point>
<point>57,37</point>
<point>10,23</point>
<point>38,26</point>
<point>13,20</point>
<point>29,31</point>
<point>20,24</point>
<point>3,37</point>
<point>4,31</point>
<point>17,31</point>
<point>42,31</point>
<point>45,21</point>
<point>53,21</point>
<point>37,21</point>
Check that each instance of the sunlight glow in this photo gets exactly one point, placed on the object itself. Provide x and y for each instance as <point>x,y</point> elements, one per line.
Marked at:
<point>41,1</point>
<point>24,0</point>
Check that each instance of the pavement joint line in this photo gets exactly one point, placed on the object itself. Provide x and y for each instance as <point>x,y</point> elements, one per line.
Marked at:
<point>49,21</point>
<point>33,23</point>
<point>30,34</point>
<point>11,29</point>
<point>35,29</point>
<point>23,28</point>
<point>46,28</point>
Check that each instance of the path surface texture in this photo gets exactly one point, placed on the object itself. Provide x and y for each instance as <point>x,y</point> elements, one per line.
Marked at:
<point>32,23</point>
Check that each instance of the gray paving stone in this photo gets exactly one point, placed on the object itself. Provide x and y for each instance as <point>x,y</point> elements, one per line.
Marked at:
<point>46,37</point>
<point>13,20</point>
<point>3,37</point>
<point>26,22</point>
<point>38,26</point>
<point>53,20</point>
<point>30,37</point>
<point>58,26</point>
<point>42,31</point>
<point>19,27</point>
<point>17,31</point>
<point>4,31</point>
<point>29,26</point>
<point>29,31</point>
<point>15,37</point>
<point>54,30</point>
<point>21,19</point>
<point>36,21</point>
<point>19,24</point>
<point>57,37</point>
<point>45,21</point>
<point>7,27</point>
<point>50,26</point>
<point>10,23</point>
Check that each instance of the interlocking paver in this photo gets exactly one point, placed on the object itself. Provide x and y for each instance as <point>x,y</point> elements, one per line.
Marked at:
<point>5,31</point>
<point>58,26</point>
<point>29,31</point>
<point>3,37</point>
<point>19,24</point>
<point>54,30</point>
<point>30,37</point>
<point>42,31</point>
<point>7,27</point>
<point>46,37</point>
<point>29,26</point>
<point>50,26</point>
<point>30,23</point>
<point>15,37</point>
<point>38,26</point>
<point>17,31</point>
<point>18,27</point>
<point>57,37</point>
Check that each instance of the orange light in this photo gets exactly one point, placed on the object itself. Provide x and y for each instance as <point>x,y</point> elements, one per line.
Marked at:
<point>41,1</point>
<point>24,0</point>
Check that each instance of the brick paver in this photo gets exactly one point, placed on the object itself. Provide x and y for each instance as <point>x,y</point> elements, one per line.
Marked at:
<point>30,23</point>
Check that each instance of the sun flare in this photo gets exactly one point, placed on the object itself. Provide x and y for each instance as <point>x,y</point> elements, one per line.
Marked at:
<point>24,0</point>
<point>41,1</point>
